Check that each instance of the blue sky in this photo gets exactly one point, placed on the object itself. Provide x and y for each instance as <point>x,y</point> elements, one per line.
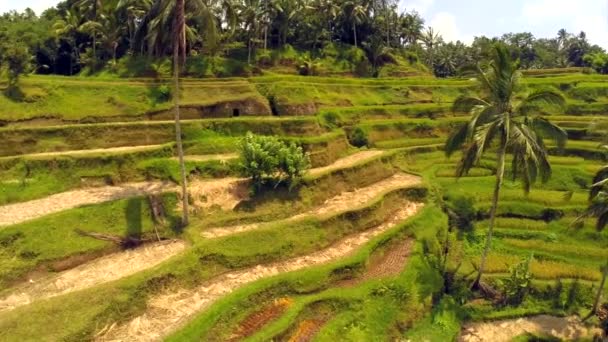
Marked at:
<point>465,19</point>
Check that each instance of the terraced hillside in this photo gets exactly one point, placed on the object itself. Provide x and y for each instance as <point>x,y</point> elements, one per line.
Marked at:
<point>355,252</point>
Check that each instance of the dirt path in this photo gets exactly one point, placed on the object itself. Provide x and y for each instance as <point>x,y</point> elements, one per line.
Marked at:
<point>20,212</point>
<point>566,328</point>
<point>109,150</point>
<point>345,201</point>
<point>346,161</point>
<point>102,270</point>
<point>207,157</point>
<point>169,311</point>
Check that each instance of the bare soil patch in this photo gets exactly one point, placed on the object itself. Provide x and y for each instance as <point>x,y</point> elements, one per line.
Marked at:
<point>307,329</point>
<point>209,157</point>
<point>109,150</point>
<point>346,161</point>
<point>340,203</point>
<point>19,212</point>
<point>101,270</point>
<point>169,311</point>
<point>390,263</point>
<point>260,318</point>
<point>566,328</point>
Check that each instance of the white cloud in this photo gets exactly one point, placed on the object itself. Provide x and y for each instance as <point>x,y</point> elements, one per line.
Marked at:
<point>19,5</point>
<point>590,16</point>
<point>420,6</point>
<point>445,24</point>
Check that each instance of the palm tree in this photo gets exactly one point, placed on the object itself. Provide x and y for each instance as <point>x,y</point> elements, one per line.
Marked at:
<point>66,29</point>
<point>92,9</point>
<point>499,120</point>
<point>355,13</point>
<point>135,10</point>
<point>430,38</point>
<point>598,208</point>
<point>251,11</point>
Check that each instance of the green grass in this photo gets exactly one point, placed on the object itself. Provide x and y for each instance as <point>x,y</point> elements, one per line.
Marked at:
<point>41,242</point>
<point>207,258</point>
<point>373,315</point>
<point>77,99</point>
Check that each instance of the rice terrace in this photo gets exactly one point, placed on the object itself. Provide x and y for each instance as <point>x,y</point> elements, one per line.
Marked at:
<point>299,170</point>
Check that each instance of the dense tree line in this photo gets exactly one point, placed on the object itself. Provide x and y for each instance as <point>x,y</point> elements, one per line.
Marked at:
<point>93,34</point>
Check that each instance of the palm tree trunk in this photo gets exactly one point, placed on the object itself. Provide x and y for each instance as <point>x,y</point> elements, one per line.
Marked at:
<point>265,37</point>
<point>178,128</point>
<point>249,50</point>
<point>500,172</point>
<point>94,52</point>
<point>598,296</point>
<point>355,32</point>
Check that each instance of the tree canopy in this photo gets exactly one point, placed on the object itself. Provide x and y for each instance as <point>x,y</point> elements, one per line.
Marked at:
<point>91,35</point>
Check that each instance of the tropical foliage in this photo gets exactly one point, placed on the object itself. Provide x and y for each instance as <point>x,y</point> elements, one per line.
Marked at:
<point>92,35</point>
<point>503,124</point>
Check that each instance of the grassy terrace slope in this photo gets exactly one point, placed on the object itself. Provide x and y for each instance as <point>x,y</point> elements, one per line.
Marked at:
<point>276,260</point>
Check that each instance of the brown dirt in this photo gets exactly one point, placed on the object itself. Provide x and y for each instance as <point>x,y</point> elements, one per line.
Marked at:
<point>109,150</point>
<point>20,212</point>
<point>343,202</point>
<point>168,311</point>
<point>224,193</point>
<point>391,263</point>
<point>102,270</point>
<point>260,318</point>
<point>346,161</point>
<point>208,157</point>
<point>566,328</point>
<point>307,329</point>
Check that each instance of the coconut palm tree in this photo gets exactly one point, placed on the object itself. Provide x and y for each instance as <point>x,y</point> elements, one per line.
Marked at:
<point>134,10</point>
<point>502,123</point>
<point>173,13</point>
<point>355,13</point>
<point>93,10</point>
<point>66,29</point>
<point>598,208</point>
<point>430,38</point>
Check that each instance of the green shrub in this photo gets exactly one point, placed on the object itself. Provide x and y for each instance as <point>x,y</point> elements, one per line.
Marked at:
<point>358,137</point>
<point>267,158</point>
<point>461,212</point>
<point>517,286</point>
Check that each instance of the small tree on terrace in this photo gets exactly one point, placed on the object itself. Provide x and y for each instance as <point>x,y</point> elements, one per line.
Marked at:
<point>267,158</point>
<point>505,125</point>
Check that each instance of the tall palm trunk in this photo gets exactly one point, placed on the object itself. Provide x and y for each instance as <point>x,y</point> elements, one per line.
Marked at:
<point>500,173</point>
<point>94,51</point>
<point>177,47</point>
<point>355,32</point>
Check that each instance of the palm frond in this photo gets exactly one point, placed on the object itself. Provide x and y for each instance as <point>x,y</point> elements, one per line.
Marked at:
<point>468,160</point>
<point>600,182</point>
<point>542,97</point>
<point>465,104</point>
<point>456,140</point>
<point>547,129</point>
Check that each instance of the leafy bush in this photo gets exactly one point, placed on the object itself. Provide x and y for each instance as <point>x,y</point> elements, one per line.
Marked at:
<point>358,137</point>
<point>517,286</point>
<point>159,94</point>
<point>265,158</point>
<point>461,212</point>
